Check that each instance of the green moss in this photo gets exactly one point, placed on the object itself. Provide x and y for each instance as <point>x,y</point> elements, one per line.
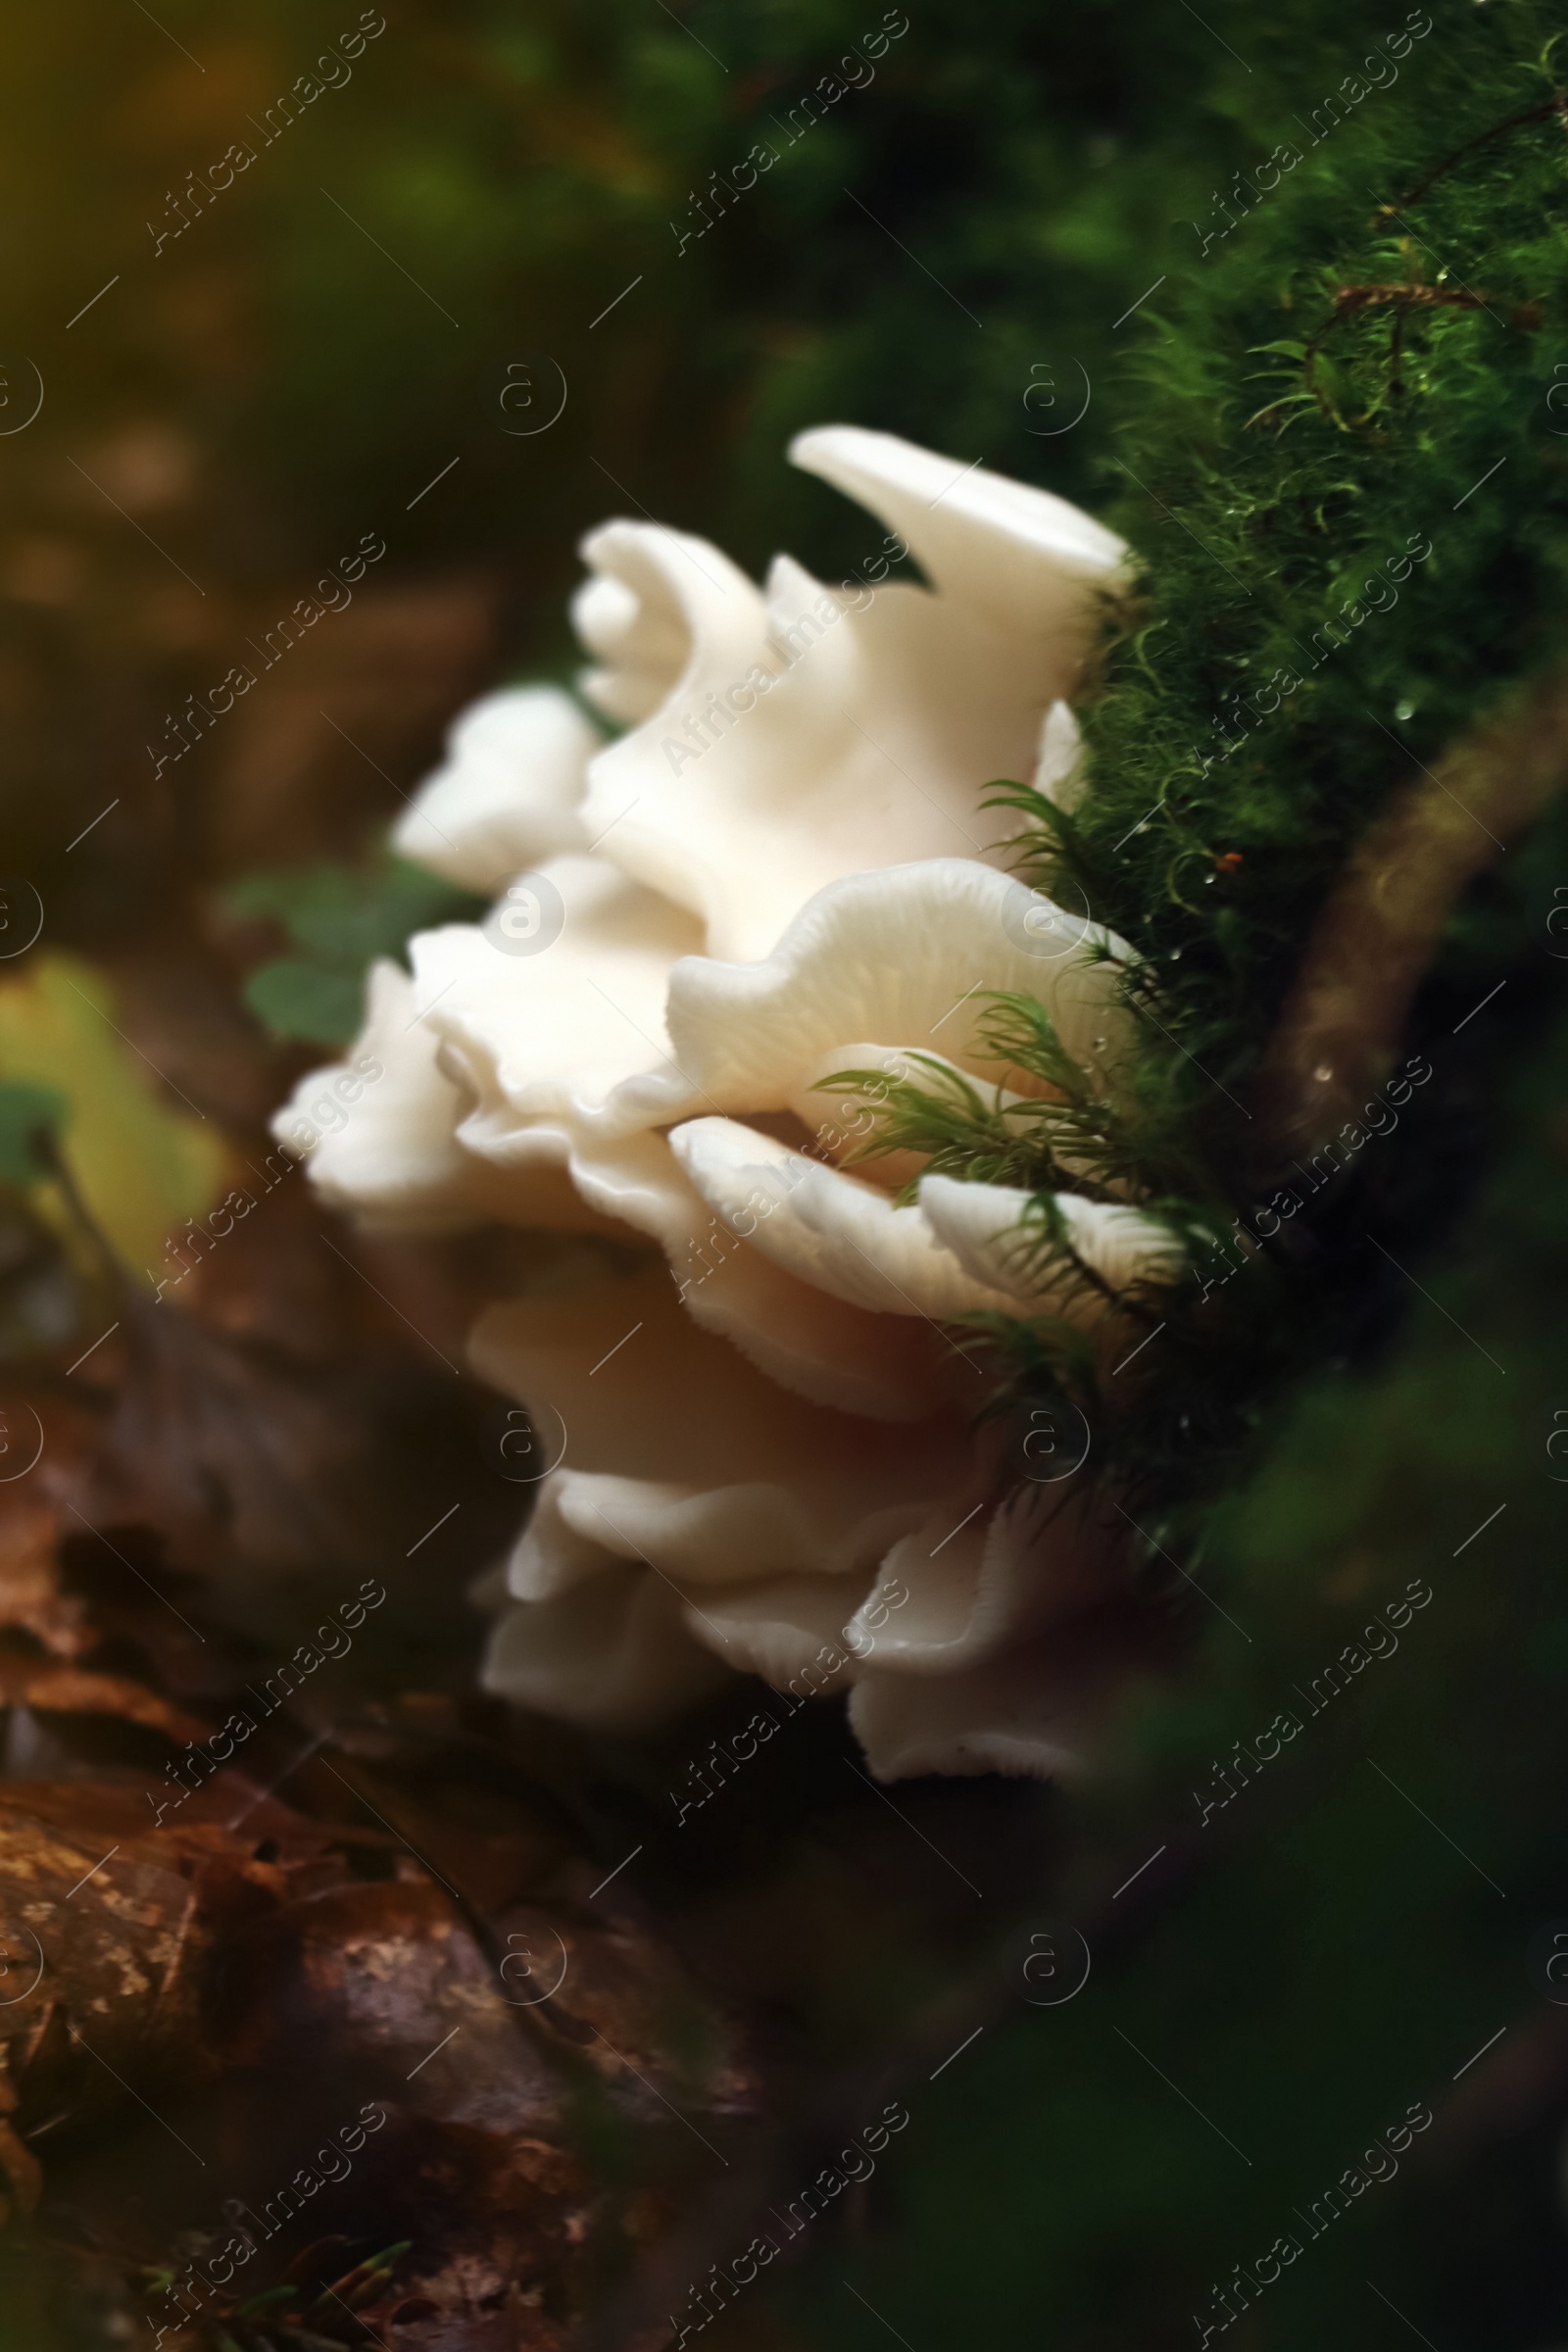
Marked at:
<point>1341,467</point>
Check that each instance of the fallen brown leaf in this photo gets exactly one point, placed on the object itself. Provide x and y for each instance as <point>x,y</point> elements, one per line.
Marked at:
<point>74,1691</point>
<point>32,1597</point>
<point>108,1927</point>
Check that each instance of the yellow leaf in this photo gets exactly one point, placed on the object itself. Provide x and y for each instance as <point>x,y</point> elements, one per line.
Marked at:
<point>141,1168</point>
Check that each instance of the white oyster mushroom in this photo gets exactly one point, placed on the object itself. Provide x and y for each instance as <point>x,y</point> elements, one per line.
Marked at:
<point>768,1458</point>
<point>380,1131</point>
<point>805,738</point>
<point>509,794</point>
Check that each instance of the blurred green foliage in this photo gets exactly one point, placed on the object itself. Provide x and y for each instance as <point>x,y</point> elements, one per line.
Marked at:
<point>339,918</point>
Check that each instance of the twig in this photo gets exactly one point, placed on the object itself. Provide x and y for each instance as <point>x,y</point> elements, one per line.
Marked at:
<point>1556,104</point>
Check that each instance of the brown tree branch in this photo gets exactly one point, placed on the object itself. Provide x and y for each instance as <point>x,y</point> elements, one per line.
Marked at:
<point>1376,933</point>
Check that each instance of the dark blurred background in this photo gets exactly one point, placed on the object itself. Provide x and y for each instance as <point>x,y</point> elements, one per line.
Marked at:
<point>325,334</point>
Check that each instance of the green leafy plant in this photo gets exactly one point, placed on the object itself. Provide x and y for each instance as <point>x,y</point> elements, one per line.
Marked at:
<point>27,1112</point>
<point>338,918</point>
